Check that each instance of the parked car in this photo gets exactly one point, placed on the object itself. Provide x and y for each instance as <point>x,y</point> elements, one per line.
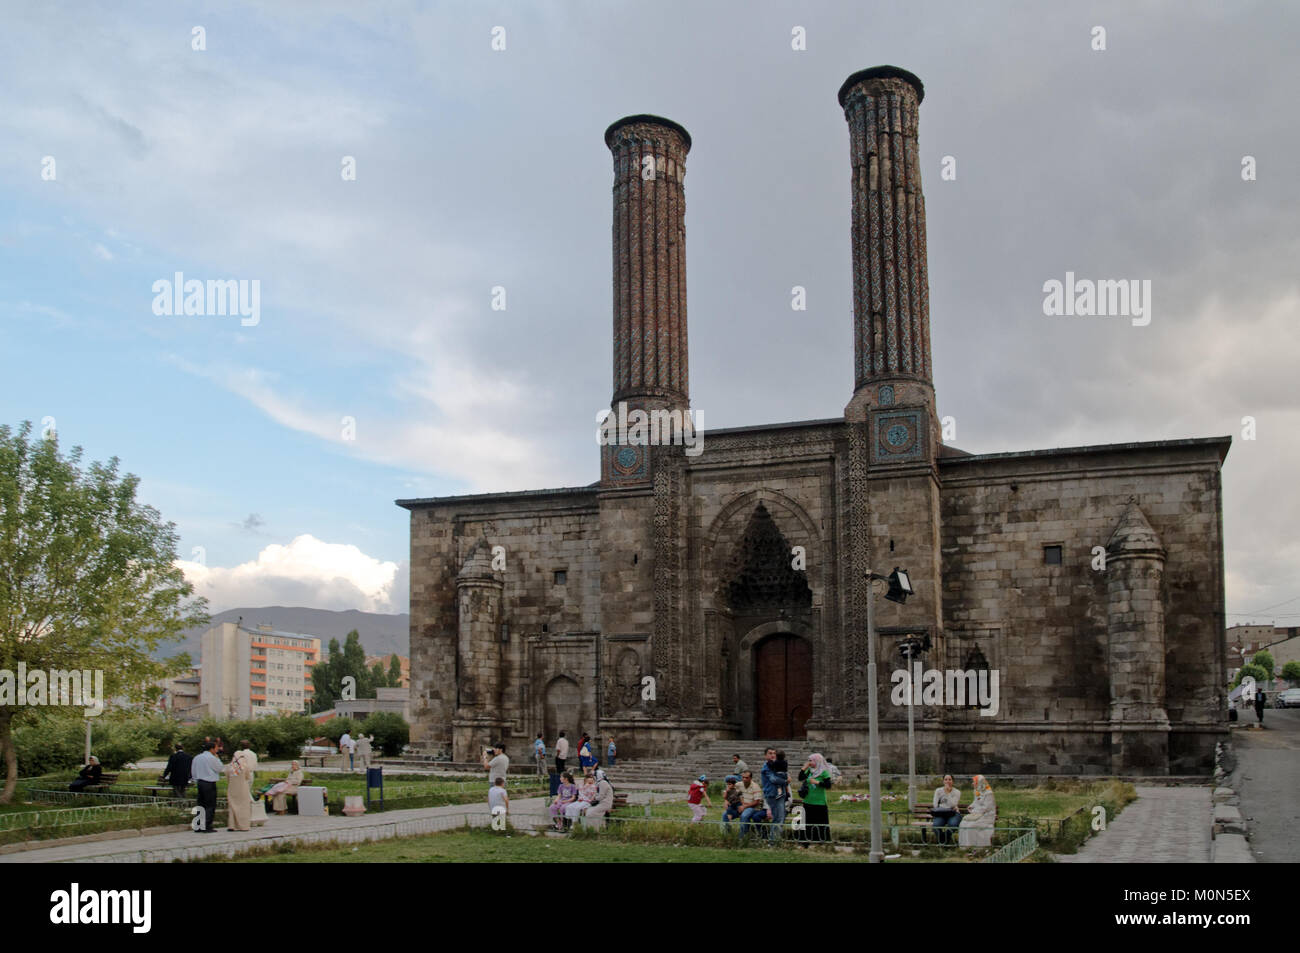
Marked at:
<point>1288,699</point>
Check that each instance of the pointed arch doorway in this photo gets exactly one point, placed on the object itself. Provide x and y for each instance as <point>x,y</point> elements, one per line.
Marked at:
<point>783,686</point>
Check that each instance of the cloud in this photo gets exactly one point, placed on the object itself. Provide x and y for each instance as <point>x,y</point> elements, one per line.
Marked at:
<point>306,572</point>
<point>252,523</point>
<point>102,253</point>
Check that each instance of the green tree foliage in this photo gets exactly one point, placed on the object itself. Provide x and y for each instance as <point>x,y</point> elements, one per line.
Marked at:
<point>55,740</point>
<point>1291,671</point>
<point>394,671</point>
<point>88,576</point>
<point>335,727</point>
<point>378,677</point>
<point>327,677</point>
<point>1252,670</point>
<point>1265,661</point>
<point>391,732</point>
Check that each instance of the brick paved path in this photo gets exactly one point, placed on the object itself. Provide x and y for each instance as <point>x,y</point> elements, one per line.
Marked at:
<point>1165,825</point>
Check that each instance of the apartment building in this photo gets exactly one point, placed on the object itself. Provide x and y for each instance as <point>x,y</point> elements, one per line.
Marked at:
<point>247,672</point>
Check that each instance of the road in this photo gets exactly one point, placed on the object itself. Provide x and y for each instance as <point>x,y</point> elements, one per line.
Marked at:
<point>1267,776</point>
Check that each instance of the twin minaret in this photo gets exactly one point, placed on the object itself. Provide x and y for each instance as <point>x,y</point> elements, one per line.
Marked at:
<point>891,297</point>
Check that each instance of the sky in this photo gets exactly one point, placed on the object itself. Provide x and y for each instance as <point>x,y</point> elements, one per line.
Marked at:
<point>213,139</point>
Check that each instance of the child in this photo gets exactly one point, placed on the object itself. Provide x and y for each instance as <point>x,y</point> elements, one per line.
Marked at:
<point>698,792</point>
<point>611,753</point>
<point>498,798</point>
<point>731,798</point>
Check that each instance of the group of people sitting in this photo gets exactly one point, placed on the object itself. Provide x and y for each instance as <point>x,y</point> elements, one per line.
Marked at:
<point>975,828</point>
<point>592,799</point>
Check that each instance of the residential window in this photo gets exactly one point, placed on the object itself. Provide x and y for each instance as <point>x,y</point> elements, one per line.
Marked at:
<point>561,577</point>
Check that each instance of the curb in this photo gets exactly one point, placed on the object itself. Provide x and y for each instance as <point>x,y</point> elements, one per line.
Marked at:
<point>1228,832</point>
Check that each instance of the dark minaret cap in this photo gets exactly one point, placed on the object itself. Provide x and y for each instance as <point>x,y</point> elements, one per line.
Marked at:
<point>647,118</point>
<point>880,72</point>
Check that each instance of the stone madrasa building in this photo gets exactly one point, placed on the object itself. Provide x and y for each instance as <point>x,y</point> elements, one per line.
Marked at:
<point>679,567</point>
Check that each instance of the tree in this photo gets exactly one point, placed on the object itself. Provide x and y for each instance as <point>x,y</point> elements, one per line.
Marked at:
<point>390,730</point>
<point>1291,671</point>
<point>1265,661</point>
<point>327,677</point>
<point>88,576</point>
<point>378,677</point>
<point>394,671</point>
<point>1254,671</point>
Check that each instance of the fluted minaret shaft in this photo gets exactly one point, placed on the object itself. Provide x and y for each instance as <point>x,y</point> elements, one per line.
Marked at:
<point>649,260</point>
<point>891,295</point>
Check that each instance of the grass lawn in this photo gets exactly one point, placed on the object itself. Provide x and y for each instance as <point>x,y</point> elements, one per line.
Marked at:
<point>493,847</point>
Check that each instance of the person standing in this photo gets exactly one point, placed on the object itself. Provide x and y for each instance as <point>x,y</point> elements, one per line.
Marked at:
<point>346,748</point>
<point>498,766</point>
<point>364,749</point>
<point>699,791</point>
<point>585,758</point>
<point>205,769</point>
<point>250,760</point>
<point>1259,705</point>
<point>561,753</point>
<point>775,781</point>
<point>539,754</point>
<point>239,796</point>
<point>611,752</point>
<point>177,772</point>
<point>816,814</point>
<point>498,799</point>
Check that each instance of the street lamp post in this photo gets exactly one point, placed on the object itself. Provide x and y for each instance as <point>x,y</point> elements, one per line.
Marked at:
<point>900,587</point>
<point>910,647</point>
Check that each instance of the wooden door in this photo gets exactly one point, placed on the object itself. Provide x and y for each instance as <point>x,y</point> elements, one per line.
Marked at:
<point>782,686</point>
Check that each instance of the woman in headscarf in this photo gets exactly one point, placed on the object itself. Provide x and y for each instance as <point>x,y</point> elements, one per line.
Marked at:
<point>239,799</point>
<point>977,827</point>
<point>817,818</point>
<point>281,790</point>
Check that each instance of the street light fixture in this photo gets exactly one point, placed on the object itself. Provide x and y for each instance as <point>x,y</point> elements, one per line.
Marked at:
<point>900,587</point>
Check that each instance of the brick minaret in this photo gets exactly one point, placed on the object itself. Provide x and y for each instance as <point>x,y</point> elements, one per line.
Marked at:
<point>649,260</point>
<point>891,294</point>
<point>893,428</point>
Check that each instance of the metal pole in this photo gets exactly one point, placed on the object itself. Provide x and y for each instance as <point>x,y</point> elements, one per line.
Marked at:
<point>86,759</point>
<point>911,734</point>
<point>877,854</point>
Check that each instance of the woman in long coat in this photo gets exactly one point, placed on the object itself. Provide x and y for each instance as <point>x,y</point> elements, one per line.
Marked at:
<point>977,827</point>
<point>239,798</point>
<point>280,791</point>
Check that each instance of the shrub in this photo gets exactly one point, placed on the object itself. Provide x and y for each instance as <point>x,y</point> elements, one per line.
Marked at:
<point>335,728</point>
<point>390,730</point>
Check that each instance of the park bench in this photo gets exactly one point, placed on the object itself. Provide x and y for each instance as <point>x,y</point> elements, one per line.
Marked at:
<point>922,816</point>
<point>105,782</point>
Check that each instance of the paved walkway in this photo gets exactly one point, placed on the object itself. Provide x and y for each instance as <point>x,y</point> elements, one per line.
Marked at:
<point>190,845</point>
<point>1165,825</point>
<point>525,813</point>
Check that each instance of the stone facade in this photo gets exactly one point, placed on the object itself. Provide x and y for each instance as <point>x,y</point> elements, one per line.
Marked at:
<point>684,598</point>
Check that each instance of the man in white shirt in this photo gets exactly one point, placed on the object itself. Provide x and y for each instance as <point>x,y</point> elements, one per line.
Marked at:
<point>561,752</point>
<point>206,771</point>
<point>346,747</point>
